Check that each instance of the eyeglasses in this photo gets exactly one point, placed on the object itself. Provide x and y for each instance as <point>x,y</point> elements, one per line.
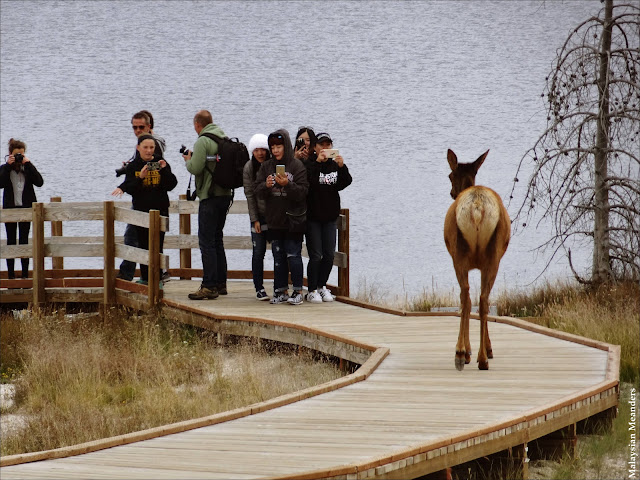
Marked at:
<point>138,127</point>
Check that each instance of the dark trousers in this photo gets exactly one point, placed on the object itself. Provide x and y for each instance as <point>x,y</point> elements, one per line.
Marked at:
<point>212,215</point>
<point>321,246</point>
<point>287,258</point>
<point>259,241</point>
<point>22,231</point>
<point>127,267</point>
<point>143,242</point>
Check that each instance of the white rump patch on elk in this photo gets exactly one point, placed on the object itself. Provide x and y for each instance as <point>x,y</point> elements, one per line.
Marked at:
<point>477,214</point>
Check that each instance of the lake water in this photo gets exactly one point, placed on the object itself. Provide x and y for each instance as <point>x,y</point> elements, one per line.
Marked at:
<point>395,83</point>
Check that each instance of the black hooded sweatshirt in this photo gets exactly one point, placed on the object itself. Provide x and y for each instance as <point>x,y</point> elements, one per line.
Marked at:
<point>326,179</point>
<point>149,193</point>
<point>290,198</point>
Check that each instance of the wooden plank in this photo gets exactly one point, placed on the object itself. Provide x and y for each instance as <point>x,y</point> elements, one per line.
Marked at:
<point>109,290</point>
<point>154,257</point>
<point>140,219</point>
<point>343,246</point>
<point>56,231</point>
<point>184,229</point>
<point>73,212</point>
<point>38,253</point>
<point>138,255</point>
<point>10,215</point>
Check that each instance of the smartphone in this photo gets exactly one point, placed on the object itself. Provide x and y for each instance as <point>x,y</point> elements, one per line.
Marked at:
<point>280,169</point>
<point>331,152</point>
<point>151,166</point>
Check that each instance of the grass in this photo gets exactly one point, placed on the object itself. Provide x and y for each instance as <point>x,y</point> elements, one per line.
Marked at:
<point>82,378</point>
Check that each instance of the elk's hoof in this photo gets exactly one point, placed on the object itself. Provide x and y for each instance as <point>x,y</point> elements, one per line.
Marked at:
<point>460,361</point>
<point>483,365</point>
<point>467,357</point>
<point>489,354</point>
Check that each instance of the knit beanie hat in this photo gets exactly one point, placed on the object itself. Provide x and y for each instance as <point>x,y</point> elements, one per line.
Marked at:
<point>259,140</point>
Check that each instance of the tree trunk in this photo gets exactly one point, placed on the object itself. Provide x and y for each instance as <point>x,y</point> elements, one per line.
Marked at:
<point>601,262</point>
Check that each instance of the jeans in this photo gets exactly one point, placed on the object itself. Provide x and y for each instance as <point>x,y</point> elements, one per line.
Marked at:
<point>143,242</point>
<point>20,230</point>
<point>259,241</point>
<point>287,257</point>
<point>127,267</point>
<point>212,215</point>
<point>321,246</point>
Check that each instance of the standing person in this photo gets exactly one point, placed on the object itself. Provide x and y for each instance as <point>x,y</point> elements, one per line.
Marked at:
<point>305,143</point>
<point>259,151</point>
<point>18,177</point>
<point>327,177</point>
<point>215,202</point>
<point>148,182</point>
<point>142,124</point>
<point>285,195</point>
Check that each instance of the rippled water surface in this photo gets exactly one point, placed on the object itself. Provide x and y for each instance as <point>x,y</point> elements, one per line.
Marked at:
<point>395,83</point>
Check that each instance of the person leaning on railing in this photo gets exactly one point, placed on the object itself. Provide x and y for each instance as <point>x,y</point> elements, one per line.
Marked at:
<point>18,177</point>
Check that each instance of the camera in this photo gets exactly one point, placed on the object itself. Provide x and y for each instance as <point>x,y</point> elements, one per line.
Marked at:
<point>18,157</point>
<point>184,150</point>
<point>151,166</point>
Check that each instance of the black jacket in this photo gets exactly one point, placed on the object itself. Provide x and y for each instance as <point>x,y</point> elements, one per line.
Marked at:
<point>149,193</point>
<point>326,179</point>
<point>32,178</point>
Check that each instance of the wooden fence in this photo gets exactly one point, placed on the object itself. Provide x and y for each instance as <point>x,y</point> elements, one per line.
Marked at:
<point>109,247</point>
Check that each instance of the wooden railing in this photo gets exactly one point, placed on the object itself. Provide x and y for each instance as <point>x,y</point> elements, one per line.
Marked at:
<point>109,247</point>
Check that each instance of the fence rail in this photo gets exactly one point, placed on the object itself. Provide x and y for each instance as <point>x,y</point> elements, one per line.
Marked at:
<point>109,246</point>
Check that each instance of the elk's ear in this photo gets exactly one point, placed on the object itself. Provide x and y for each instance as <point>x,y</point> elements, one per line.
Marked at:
<point>452,159</point>
<point>478,163</point>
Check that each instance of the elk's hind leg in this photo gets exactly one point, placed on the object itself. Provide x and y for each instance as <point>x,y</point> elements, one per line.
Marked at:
<point>488,277</point>
<point>463,347</point>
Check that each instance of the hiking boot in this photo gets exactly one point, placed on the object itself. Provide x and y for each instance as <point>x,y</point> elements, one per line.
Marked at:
<point>204,293</point>
<point>279,298</point>
<point>314,297</point>
<point>124,277</point>
<point>222,289</point>
<point>295,299</point>
<point>166,277</point>
<point>262,295</point>
<point>325,293</point>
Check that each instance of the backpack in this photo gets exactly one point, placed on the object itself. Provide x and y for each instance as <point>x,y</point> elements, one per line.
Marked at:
<point>230,161</point>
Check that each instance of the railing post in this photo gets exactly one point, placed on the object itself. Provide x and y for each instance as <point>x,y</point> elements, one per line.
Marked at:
<point>109,243</point>
<point>185,229</point>
<point>38,254</point>
<point>154,257</point>
<point>57,263</point>
<point>343,246</point>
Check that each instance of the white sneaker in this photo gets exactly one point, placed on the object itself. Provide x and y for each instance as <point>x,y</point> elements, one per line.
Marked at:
<point>279,298</point>
<point>326,295</point>
<point>314,297</point>
<point>295,298</point>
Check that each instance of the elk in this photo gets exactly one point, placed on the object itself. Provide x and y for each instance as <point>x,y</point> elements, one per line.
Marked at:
<point>477,230</point>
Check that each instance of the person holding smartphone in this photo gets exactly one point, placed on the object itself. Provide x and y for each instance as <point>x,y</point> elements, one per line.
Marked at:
<point>327,177</point>
<point>17,178</point>
<point>282,182</point>
<point>259,150</point>
<point>147,181</point>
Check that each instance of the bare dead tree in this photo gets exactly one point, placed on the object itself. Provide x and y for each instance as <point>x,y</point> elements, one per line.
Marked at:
<point>586,164</point>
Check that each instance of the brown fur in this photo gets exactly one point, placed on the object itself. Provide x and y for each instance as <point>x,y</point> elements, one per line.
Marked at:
<point>477,230</point>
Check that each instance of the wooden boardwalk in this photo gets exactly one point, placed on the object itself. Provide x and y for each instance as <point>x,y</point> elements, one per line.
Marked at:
<point>413,415</point>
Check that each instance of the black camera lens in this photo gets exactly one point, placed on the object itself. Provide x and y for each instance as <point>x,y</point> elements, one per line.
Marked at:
<point>18,157</point>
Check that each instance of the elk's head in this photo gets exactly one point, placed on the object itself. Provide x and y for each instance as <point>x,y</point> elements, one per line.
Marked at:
<point>463,175</point>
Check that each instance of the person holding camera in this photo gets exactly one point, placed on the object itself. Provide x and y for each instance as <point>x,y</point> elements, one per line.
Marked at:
<point>147,181</point>
<point>142,124</point>
<point>282,182</point>
<point>305,142</point>
<point>327,177</point>
<point>259,151</point>
<point>215,202</point>
<point>17,178</point>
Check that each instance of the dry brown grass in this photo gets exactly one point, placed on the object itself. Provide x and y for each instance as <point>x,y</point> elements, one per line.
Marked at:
<point>81,379</point>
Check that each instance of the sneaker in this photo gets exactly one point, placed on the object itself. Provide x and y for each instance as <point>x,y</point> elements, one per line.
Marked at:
<point>142,282</point>
<point>204,293</point>
<point>279,298</point>
<point>325,293</point>
<point>262,295</point>
<point>166,277</point>
<point>314,297</point>
<point>295,299</point>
